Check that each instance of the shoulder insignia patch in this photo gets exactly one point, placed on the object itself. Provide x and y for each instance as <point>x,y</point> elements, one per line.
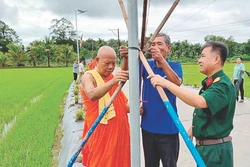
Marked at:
<point>217,79</point>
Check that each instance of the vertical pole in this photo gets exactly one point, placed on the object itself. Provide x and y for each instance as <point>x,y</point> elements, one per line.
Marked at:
<point>144,19</point>
<point>77,46</point>
<point>92,52</point>
<point>133,83</point>
<point>119,44</point>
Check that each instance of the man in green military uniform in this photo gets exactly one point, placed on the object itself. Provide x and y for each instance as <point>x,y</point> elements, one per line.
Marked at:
<point>214,106</point>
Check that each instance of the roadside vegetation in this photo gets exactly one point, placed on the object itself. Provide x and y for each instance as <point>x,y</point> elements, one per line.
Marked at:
<point>59,49</point>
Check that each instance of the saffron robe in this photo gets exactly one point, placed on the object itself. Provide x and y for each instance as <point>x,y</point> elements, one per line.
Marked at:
<point>92,64</point>
<point>109,145</point>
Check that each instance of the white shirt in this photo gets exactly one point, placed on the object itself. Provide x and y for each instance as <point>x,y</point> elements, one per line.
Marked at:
<point>81,67</point>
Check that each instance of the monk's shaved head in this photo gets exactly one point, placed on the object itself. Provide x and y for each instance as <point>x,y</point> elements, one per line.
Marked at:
<point>105,52</point>
<point>106,59</point>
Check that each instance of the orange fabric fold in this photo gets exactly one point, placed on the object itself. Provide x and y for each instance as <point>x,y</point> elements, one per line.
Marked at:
<point>92,64</point>
<point>109,145</point>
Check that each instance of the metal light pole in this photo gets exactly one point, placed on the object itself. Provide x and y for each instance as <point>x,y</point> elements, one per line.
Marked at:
<point>77,12</point>
<point>134,97</point>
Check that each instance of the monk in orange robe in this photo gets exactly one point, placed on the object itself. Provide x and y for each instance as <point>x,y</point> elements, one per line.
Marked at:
<point>109,144</point>
<point>92,64</point>
<point>89,65</point>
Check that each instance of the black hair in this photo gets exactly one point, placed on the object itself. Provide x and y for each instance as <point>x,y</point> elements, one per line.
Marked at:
<point>218,47</point>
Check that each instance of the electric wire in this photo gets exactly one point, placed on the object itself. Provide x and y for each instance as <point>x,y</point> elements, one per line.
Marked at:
<point>217,25</point>
<point>193,15</point>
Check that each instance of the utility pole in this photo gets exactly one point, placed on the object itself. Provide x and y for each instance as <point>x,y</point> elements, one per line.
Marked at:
<point>119,43</point>
<point>92,49</point>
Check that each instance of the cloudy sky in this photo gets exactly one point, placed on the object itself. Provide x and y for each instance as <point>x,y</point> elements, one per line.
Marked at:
<point>191,20</point>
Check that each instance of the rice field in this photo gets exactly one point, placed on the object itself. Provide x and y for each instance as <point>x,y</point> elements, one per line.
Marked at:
<point>29,109</point>
<point>192,75</point>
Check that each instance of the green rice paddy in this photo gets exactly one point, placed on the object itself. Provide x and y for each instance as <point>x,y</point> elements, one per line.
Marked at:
<point>29,105</point>
<point>192,75</point>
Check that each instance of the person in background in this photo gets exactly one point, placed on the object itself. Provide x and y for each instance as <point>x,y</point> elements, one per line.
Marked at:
<point>92,64</point>
<point>238,79</point>
<point>75,70</point>
<point>214,106</point>
<point>81,68</point>
<point>109,145</point>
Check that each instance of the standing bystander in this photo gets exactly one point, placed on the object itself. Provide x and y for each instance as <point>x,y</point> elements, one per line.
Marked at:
<point>81,69</point>
<point>75,70</point>
<point>238,76</point>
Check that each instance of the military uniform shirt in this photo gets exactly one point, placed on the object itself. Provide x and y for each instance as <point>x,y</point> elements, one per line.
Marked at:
<point>216,121</point>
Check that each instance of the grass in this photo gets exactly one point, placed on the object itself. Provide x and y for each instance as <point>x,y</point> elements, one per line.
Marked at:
<point>192,75</point>
<point>32,98</point>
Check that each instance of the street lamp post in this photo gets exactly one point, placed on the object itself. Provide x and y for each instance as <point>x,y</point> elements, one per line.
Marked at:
<point>77,12</point>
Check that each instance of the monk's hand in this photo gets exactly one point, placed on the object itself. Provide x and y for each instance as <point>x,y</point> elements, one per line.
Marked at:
<point>157,80</point>
<point>123,51</point>
<point>121,76</point>
<point>190,133</point>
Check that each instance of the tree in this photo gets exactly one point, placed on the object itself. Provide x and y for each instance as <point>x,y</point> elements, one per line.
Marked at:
<point>63,32</point>
<point>48,46</point>
<point>89,45</point>
<point>7,35</point>
<point>246,47</point>
<point>62,29</point>
<point>84,53</point>
<point>66,54</point>
<point>209,38</point>
<point>235,49</point>
<point>184,51</point>
<point>115,45</point>
<point>3,59</point>
<point>16,54</point>
<point>36,52</point>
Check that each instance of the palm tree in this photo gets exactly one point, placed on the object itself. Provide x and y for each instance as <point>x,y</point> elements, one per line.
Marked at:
<point>48,46</point>
<point>36,52</point>
<point>16,53</point>
<point>3,59</point>
<point>66,53</point>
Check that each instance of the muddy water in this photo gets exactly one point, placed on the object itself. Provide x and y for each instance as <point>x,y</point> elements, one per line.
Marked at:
<point>7,128</point>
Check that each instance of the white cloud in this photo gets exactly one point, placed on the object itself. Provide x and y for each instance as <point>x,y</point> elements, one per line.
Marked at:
<point>31,19</point>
